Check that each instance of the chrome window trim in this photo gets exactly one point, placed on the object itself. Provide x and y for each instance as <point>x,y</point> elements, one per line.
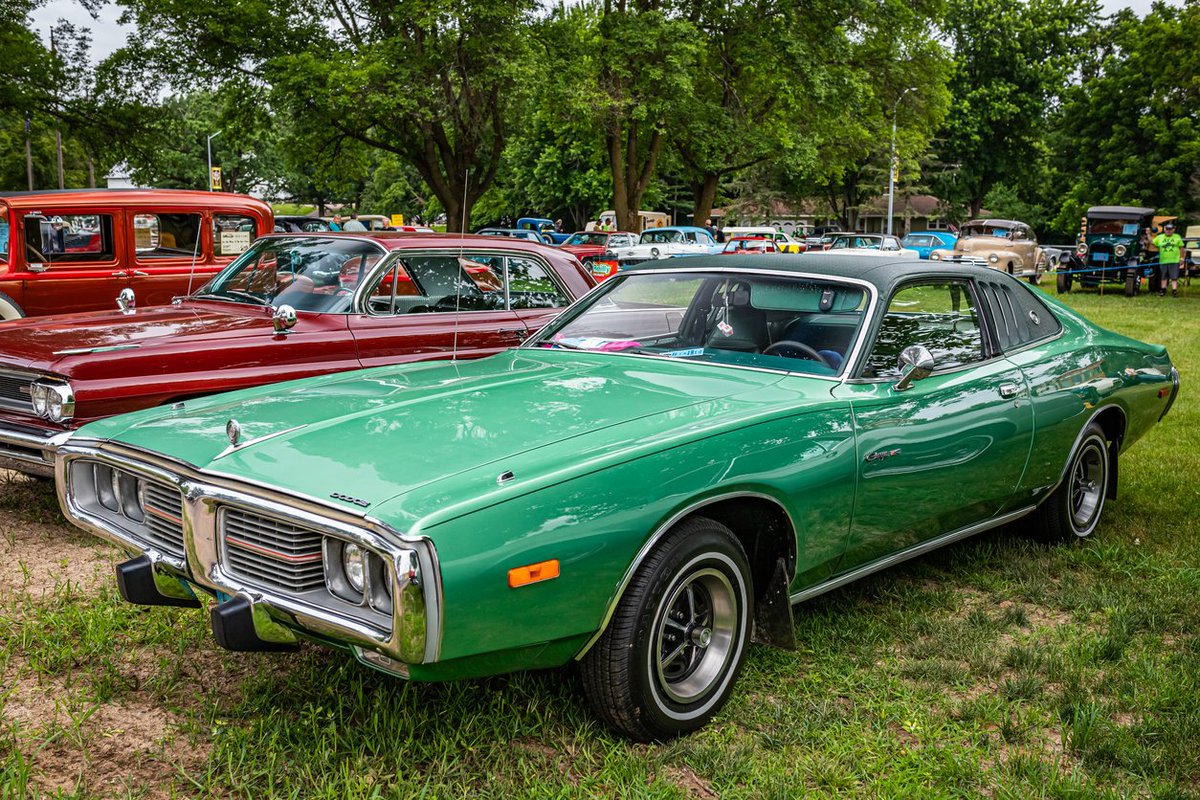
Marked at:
<point>204,493</point>
<point>653,540</point>
<point>848,366</point>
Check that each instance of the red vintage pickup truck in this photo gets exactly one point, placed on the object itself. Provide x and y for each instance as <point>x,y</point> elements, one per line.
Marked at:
<point>292,306</point>
<point>75,250</point>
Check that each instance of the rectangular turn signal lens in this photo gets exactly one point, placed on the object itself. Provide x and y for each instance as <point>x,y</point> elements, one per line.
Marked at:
<point>532,573</point>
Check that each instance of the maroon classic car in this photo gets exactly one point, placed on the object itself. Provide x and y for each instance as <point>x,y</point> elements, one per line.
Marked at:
<point>588,246</point>
<point>292,306</point>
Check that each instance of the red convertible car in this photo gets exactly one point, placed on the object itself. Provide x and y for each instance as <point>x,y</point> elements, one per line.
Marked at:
<point>292,306</point>
<point>589,246</point>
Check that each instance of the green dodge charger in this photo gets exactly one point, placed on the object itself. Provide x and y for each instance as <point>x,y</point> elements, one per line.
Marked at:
<point>646,486</point>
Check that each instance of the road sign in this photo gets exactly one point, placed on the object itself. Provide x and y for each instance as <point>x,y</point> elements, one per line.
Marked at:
<point>215,179</point>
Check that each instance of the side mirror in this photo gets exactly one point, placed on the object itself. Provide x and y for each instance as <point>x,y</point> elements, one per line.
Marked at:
<point>283,320</point>
<point>917,363</point>
<point>126,301</point>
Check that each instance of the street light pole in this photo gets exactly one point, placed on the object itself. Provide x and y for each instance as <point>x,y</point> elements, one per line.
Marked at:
<point>892,160</point>
<point>211,136</point>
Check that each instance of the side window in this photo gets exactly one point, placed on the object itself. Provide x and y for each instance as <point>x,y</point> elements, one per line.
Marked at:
<point>938,316</point>
<point>166,235</point>
<point>436,283</point>
<point>232,234</point>
<point>3,234</point>
<point>57,238</point>
<point>531,286</point>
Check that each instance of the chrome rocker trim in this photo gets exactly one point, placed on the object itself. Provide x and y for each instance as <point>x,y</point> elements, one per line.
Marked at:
<point>904,555</point>
<point>202,493</point>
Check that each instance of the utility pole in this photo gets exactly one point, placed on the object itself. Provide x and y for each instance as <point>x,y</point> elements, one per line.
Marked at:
<point>57,131</point>
<point>211,136</point>
<point>892,160</point>
<point>28,155</point>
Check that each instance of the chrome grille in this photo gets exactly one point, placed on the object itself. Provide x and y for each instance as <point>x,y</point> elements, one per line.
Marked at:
<point>163,505</point>
<point>14,391</point>
<point>271,551</point>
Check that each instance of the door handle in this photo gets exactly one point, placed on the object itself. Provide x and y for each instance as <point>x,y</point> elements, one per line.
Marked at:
<point>120,274</point>
<point>1009,390</point>
<point>140,274</point>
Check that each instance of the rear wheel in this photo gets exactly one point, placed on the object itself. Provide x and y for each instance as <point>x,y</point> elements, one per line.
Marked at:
<point>1132,284</point>
<point>9,308</point>
<point>1074,509</point>
<point>676,642</point>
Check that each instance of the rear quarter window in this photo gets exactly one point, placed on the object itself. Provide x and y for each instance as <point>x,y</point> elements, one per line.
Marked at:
<point>1019,317</point>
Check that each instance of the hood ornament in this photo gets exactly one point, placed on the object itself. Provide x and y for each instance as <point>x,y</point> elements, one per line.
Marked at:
<point>283,319</point>
<point>126,301</point>
<point>233,431</point>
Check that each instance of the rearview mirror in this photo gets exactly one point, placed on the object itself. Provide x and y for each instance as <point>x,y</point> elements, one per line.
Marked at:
<point>917,364</point>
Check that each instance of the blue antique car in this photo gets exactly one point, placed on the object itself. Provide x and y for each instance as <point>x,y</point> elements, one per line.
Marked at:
<point>925,242</point>
<point>646,486</point>
<point>544,227</point>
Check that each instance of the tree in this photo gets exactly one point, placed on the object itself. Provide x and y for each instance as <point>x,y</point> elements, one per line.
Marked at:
<point>1129,132</point>
<point>1011,60</point>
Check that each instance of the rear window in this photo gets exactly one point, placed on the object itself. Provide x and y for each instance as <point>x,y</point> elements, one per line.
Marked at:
<point>3,234</point>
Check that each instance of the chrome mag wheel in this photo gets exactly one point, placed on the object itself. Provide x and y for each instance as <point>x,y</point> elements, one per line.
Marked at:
<point>696,625</point>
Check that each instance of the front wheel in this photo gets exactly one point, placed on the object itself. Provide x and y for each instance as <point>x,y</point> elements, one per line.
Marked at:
<point>1063,282</point>
<point>1073,510</point>
<point>9,308</point>
<point>676,642</point>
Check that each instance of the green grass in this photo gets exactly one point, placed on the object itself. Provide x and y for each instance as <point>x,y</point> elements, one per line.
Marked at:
<point>995,667</point>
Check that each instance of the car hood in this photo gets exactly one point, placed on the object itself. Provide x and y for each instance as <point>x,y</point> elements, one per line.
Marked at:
<point>438,434</point>
<point>983,244</point>
<point>51,344</point>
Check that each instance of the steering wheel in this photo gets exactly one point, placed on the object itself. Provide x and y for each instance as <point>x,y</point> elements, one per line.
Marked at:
<point>799,350</point>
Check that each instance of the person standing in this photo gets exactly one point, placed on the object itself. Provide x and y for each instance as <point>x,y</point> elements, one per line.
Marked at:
<point>353,224</point>
<point>336,225</point>
<point>1170,247</point>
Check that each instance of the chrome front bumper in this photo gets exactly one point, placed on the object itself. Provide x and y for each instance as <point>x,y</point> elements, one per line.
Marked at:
<point>203,566</point>
<point>28,449</point>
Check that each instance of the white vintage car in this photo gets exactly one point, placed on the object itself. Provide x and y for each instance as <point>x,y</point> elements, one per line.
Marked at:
<point>870,244</point>
<point>680,240</point>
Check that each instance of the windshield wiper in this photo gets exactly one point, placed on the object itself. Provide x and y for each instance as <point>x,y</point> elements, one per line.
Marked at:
<point>239,295</point>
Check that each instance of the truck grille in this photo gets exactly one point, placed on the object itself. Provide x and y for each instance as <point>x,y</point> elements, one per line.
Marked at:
<point>14,391</point>
<point>272,552</point>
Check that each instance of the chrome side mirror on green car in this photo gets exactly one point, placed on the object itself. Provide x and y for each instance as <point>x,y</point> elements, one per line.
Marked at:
<point>917,363</point>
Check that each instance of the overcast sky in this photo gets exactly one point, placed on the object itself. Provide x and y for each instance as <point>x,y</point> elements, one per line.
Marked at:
<point>108,35</point>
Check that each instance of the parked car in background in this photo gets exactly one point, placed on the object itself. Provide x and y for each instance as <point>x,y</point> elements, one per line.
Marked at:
<point>300,224</point>
<point>747,245</point>
<point>515,233</point>
<point>647,219</point>
<point>821,237</point>
<point>1112,246</point>
<point>590,246</point>
<point>783,242</point>
<point>869,244</point>
<point>925,242</point>
<point>291,306</point>
<point>645,487</point>
<point>1003,244</point>
<point>543,226</point>
<point>75,250</point>
<point>677,240</point>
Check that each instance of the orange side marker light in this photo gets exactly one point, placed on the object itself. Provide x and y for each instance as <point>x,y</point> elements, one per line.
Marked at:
<point>532,573</point>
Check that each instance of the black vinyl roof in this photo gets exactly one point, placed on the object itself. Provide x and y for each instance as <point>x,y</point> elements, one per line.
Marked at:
<point>882,271</point>
<point>1118,212</point>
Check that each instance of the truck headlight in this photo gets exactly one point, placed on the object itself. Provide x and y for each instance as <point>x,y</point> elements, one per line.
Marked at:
<point>53,400</point>
<point>1081,248</point>
<point>1119,250</point>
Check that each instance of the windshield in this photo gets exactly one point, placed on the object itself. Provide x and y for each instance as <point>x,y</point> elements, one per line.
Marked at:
<point>1114,227</point>
<point>600,239</point>
<point>4,234</point>
<point>661,237</point>
<point>307,273</point>
<point>720,317</point>
<point>987,230</point>
<point>867,242</point>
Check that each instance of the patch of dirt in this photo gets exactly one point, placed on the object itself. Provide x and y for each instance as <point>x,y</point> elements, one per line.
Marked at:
<point>690,782</point>
<point>107,749</point>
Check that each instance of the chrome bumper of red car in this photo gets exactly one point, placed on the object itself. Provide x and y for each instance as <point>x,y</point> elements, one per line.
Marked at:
<point>27,449</point>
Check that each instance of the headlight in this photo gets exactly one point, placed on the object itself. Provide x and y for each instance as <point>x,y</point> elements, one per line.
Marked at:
<point>993,258</point>
<point>354,566</point>
<point>53,400</point>
<point>934,257</point>
<point>1119,250</point>
<point>1081,248</point>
